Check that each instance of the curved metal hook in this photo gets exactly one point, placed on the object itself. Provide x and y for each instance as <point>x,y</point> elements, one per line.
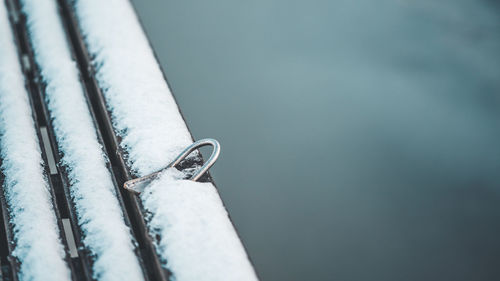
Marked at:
<point>138,184</point>
<point>209,163</point>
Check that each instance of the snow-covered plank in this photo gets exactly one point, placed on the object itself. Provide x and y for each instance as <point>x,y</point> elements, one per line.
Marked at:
<point>38,246</point>
<point>196,238</point>
<point>144,112</point>
<point>93,193</point>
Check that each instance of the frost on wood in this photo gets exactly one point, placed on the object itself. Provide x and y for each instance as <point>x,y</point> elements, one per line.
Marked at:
<point>99,213</point>
<point>37,242</point>
<point>197,239</point>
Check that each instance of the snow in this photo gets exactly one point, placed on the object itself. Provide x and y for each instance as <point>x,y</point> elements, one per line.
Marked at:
<point>197,240</point>
<point>92,190</point>
<point>38,246</point>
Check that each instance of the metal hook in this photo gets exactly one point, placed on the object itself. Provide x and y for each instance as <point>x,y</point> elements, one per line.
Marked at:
<point>138,184</point>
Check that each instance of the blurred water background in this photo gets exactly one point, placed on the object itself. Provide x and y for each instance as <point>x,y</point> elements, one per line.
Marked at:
<point>361,139</point>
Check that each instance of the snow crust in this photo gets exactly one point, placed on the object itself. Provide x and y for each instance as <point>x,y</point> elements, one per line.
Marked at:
<point>99,213</point>
<point>38,245</point>
<point>197,239</point>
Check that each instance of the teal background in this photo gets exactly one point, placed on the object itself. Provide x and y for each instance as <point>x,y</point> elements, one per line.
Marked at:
<point>360,139</point>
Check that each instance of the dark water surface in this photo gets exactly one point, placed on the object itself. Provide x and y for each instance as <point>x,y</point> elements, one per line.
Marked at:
<point>361,139</point>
